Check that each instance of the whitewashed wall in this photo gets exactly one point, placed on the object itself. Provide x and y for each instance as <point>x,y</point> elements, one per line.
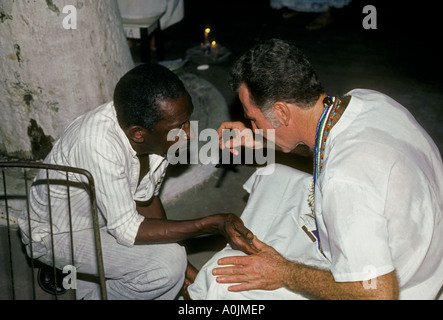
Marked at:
<point>50,72</point>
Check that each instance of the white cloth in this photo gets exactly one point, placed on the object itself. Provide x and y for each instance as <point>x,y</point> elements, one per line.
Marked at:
<point>378,203</point>
<point>276,215</point>
<point>170,11</point>
<point>95,142</point>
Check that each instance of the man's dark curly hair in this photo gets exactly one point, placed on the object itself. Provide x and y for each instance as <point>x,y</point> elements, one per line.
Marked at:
<point>139,92</point>
<point>276,70</point>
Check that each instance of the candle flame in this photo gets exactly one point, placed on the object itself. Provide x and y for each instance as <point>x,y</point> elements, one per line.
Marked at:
<point>214,43</point>
<point>207,30</point>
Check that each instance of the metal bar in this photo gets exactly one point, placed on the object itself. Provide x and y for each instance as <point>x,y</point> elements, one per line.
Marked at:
<point>98,246</point>
<point>5,191</point>
<point>51,228</point>
<point>95,220</point>
<point>31,250</point>
<point>68,191</point>
<point>39,165</point>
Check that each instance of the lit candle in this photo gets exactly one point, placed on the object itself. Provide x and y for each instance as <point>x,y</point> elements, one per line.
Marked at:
<point>214,48</point>
<point>207,31</point>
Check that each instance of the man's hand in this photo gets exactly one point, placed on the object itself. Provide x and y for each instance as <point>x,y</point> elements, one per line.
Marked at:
<point>264,270</point>
<point>190,275</point>
<point>268,270</point>
<point>242,137</point>
<point>238,236</point>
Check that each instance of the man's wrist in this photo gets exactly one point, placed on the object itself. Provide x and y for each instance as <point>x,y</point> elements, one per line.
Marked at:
<point>213,224</point>
<point>289,269</point>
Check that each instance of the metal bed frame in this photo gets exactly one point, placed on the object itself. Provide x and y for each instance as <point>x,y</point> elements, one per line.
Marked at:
<point>26,166</point>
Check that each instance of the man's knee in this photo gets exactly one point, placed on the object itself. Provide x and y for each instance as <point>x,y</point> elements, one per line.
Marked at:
<point>175,264</point>
<point>162,278</point>
<point>167,271</point>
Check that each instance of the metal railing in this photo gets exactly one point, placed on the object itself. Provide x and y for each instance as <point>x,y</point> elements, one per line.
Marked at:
<point>6,197</point>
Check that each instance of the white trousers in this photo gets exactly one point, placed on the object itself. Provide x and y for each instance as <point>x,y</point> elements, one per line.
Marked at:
<point>141,272</point>
<point>276,212</point>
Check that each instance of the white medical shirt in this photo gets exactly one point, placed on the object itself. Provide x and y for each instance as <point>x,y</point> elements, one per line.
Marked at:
<point>379,198</point>
<point>95,142</point>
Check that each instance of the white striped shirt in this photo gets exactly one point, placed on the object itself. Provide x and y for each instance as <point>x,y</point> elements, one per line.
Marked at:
<point>95,142</point>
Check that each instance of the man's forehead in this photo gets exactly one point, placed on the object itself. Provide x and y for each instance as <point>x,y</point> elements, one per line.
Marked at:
<point>245,98</point>
<point>175,112</point>
<point>170,109</point>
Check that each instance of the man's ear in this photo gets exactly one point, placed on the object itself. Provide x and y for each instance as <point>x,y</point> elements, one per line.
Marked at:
<point>282,112</point>
<point>136,134</point>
